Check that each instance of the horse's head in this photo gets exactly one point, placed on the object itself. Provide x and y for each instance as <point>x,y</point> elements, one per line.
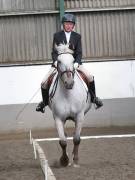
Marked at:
<point>65,65</point>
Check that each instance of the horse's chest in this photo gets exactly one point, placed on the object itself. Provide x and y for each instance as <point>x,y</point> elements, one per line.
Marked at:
<point>67,105</point>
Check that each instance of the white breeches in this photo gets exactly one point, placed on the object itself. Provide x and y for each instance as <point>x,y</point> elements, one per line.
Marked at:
<point>44,82</point>
<point>86,72</point>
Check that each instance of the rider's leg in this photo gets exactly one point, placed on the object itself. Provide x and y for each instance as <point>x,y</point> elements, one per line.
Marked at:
<point>45,97</point>
<point>91,87</point>
<point>94,99</point>
<point>45,91</point>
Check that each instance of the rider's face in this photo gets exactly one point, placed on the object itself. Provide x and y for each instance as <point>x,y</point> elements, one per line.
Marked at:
<point>68,26</point>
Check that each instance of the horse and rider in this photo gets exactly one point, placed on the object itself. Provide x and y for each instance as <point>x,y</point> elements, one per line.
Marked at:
<point>68,36</point>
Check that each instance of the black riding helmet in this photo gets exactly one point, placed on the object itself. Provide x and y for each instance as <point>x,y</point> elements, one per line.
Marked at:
<point>68,18</point>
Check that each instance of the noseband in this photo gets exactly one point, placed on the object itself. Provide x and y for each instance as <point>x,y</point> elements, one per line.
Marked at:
<point>67,72</point>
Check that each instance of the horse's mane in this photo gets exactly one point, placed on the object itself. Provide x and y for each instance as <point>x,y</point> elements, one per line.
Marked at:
<point>63,49</point>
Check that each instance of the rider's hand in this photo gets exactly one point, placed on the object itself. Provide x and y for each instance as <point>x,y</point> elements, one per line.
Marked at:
<point>55,64</point>
<point>76,65</point>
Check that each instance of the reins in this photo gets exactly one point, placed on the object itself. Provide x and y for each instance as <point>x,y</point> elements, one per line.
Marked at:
<point>54,88</point>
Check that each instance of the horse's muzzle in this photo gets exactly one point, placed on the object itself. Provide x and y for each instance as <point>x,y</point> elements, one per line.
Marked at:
<point>69,85</point>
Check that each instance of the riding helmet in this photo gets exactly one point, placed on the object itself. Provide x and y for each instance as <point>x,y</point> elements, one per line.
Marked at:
<point>68,18</point>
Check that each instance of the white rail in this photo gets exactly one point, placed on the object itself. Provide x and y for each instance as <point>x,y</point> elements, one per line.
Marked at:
<point>43,160</point>
<point>48,174</point>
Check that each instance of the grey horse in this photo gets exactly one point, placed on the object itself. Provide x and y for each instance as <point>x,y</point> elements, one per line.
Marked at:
<point>69,100</point>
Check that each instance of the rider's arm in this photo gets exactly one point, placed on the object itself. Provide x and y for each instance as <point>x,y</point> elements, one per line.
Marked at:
<point>54,51</point>
<point>78,50</point>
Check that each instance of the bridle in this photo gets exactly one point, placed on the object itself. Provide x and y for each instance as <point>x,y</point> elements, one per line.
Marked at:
<point>61,73</point>
<point>70,73</point>
<point>67,72</point>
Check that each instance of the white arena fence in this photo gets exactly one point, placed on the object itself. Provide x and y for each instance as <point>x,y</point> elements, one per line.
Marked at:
<point>48,174</point>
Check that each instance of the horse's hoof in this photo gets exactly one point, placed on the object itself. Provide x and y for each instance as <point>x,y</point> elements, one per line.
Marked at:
<point>70,164</point>
<point>76,165</point>
<point>64,161</point>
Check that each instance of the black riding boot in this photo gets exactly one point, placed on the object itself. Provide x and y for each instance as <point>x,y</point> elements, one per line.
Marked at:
<point>45,97</point>
<point>94,99</point>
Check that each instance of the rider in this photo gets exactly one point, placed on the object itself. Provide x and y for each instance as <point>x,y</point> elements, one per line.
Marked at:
<point>67,35</point>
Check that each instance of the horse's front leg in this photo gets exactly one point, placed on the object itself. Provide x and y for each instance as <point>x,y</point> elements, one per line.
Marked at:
<point>64,160</point>
<point>77,140</point>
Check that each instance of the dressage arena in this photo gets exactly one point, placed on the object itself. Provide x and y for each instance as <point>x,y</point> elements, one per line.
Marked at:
<point>107,28</point>
<point>100,158</point>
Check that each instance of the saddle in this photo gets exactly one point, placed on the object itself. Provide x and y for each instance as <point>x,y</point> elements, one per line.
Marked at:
<point>84,77</point>
<point>82,74</point>
<point>50,79</point>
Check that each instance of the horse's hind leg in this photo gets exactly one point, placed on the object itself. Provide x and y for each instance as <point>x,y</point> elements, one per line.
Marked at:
<point>64,160</point>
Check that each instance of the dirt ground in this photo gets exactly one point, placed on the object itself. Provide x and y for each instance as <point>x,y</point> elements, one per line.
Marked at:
<point>100,159</point>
